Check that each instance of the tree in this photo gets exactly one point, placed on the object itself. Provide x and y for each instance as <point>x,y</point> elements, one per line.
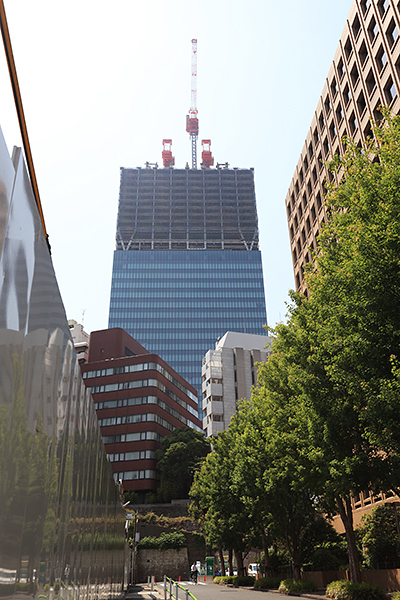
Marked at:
<point>179,457</point>
<point>340,345</point>
<point>379,537</point>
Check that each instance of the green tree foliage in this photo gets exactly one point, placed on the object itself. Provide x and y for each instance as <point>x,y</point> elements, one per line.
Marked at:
<point>379,538</point>
<point>179,457</point>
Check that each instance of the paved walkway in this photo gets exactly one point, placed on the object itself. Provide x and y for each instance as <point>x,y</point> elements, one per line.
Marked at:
<point>142,591</point>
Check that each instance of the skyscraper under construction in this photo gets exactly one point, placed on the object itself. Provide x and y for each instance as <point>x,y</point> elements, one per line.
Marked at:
<point>187,265</point>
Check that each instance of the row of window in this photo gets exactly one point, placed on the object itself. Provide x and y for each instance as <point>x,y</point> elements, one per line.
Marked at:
<point>124,456</point>
<point>136,368</point>
<point>136,436</point>
<point>204,293</point>
<point>129,385</point>
<point>175,305</point>
<point>123,402</point>
<point>141,418</point>
<point>199,270</point>
<point>129,475</point>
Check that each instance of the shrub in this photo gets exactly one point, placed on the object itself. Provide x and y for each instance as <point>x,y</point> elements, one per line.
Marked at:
<point>344,590</point>
<point>396,596</point>
<point>247,581</point>
<point>296,586</point>
<point>367,591</point>
<point>339,590</point>
<point>165,541</point>
<point>268,583</point>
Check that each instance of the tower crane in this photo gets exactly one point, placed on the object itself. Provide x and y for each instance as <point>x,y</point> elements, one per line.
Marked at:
<point>207,159</point>
<point>192,122</point>
<point>168,159</point>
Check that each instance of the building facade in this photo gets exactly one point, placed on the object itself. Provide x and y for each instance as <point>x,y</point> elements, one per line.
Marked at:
<point>139,399</point>
<point>365,74</point>
<point>81,340</point>
<point>187,265</point>
<point>228,374</point>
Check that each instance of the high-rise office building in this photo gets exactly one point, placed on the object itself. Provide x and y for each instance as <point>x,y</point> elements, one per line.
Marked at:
<point>228,373</point>
<point>187,266</point>
<point>365,74</point>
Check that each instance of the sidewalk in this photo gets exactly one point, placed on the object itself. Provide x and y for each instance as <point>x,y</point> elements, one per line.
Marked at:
<point>141,591</point>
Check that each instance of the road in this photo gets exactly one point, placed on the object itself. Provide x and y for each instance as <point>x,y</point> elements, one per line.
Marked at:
<point>211,591</point>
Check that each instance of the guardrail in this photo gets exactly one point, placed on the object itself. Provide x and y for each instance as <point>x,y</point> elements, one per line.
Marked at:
<point>169,584</point>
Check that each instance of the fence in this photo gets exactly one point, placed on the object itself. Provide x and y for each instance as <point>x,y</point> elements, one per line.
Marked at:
<point>169,585</point>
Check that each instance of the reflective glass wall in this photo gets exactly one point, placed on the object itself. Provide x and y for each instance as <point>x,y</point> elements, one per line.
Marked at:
<point>61,520</point>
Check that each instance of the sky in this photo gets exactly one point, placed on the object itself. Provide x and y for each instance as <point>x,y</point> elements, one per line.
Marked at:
<point>103,83</point>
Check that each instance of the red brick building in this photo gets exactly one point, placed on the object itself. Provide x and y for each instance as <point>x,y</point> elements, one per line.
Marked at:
<point>139,399</point>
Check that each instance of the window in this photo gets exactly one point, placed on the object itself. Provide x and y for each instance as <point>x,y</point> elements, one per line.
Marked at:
<point>383,6</point>
<point>339,112</point>
<point>340,68</point>
<point>361,104</point>
<point>313,213</point>
<point>392,33</point>
<point>356,27</point>
<point>319,201</point>
<point>327,105</point>
<point>296,222</point>
<point>314,175</point>
<point>390,90</point>
<point>303,236</point>
<point>294,255</point>
<point>309,188</point>
<point>292,199</point>
<point>301,175</point>
<point>364,6</point>
<point>310,150</point>
<point>353,122</point>
<point>320,161</point>
<point>316,136</point>
<point>370,81</point>
<point>377,113</point>
<point>300,212</point>
<point>321,121</point>
<point>308,224</point>
<point>334,87</point>
<point>304,201</point>
<point>368,131</point>
<point>354,75</point>
<point>296,187</point>
<point>332,130</point>
<point>326,146</point>
<point>306,163</point>
<point>381,58</point>
<point>288,209</point>
<point>348,48</point>
<point>372,29</point>
<point>363,53</point>
<point>346,94</point>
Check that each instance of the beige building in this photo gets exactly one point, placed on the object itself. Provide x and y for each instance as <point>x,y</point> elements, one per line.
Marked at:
<point>228,374</point>
<point>365,74</point>
<point>81,341</point>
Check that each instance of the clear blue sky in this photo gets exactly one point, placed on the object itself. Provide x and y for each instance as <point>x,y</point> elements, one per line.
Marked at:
<point>104,82</point>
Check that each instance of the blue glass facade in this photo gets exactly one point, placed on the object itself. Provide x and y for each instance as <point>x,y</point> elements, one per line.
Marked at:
<point>177,303</point>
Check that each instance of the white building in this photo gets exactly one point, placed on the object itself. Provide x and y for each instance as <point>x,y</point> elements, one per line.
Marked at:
<point>81,340</point>
<point>228,374</point>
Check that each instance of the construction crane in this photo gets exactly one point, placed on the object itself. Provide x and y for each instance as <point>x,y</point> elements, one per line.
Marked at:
<point>192,122</point>
<point>207,159</point>
<point>168,159</point>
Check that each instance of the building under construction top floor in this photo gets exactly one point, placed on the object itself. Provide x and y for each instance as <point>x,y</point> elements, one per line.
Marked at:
<point>187,209</point>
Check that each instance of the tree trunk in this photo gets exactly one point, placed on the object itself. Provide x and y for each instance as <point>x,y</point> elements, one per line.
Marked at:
<point>239,562</point>
<point>267,568</point>
<point>296,561</point>
<point>221,559</point>
<point>346,514</point>
<point>230,561</point>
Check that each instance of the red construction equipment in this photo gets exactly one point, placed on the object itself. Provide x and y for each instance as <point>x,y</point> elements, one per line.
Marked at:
<point>207,159</point>
<point>168,159</point>
<point>192,122</point>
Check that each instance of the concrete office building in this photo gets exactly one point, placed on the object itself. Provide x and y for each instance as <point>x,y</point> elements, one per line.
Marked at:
<point>365,74</point>
<point>187,266</point>
<point>139,399</point>
<point>81,340</point>
<point>228,374</point>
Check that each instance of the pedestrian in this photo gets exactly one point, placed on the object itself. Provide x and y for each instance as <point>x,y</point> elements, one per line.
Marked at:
<point>193,571</point>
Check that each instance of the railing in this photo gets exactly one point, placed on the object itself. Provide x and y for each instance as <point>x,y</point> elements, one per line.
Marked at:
<point>169,584</point>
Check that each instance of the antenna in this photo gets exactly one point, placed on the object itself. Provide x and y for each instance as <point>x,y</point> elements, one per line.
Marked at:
<point>192,122</point>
